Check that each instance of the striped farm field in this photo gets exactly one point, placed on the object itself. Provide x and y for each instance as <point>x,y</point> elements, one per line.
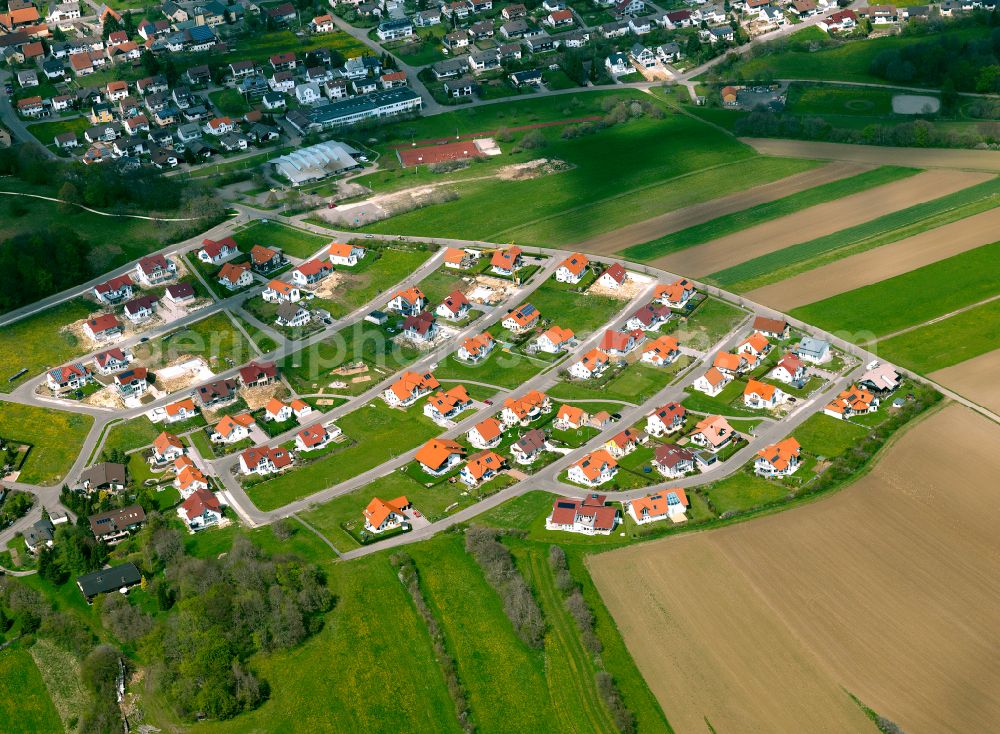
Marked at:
<point>730,223</point>
<point>910,299</point>
<point>806,255</point>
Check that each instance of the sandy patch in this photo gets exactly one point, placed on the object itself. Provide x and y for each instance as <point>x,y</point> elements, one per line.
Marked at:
<point>326,287</point>
<point>975,379</point>
<point>655,227</point>
<point>889,589</point>
<point>883,262</point>
<point>489,291</point>
<point>181,373</point>
<point>532,169</point>
<point>976,160</point>
<point>257,397</point>
<point>106,397</point>
<point>816,221</point>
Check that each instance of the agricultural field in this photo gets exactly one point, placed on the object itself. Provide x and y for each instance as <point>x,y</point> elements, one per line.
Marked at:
<point>960,210</point>
<point>214,339</point>
<point>884,261</point>
<point>942,344</point>
<point>574,204</point>
<point>974,378</point>
<point>817,221</point>
<point>740,220</point>
<point>719,591</point>
<point>26,707</point>
<point>905,300</point>
<point>38,342</point>
<point>56,438</point>
<point>290,240</point>
<point>377,434</point>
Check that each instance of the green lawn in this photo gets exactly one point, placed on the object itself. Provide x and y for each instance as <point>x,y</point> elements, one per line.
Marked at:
<point>576,204</point>
<point>38,342</point>
<point>911,298</point>
<point>503,369</point>
<point>743,491</point>
<point>730,223</point>
<point>230,102</point>
<point>441,283</point>
<point>291,240</point>
<point>505,680</point>
<point>61,673</point>
<point>378,432</point>
<point>25,705</point>
<point>582,313</point>
<point>46,131</point>
<point>214,338</point>
<point>946,343</point>
<point>849,62</point>
<point>133,434</point>
<point>792,260</point>
<point>825,436</point>
<point>635,384</point>
<point>56,438</point>
<point>378,271</point>
<point>711,321</point>
<point>386,678</point>
<point>827,99</point>
<point>264,343</point>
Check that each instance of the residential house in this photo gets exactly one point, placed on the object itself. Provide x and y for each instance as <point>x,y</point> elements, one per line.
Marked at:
<point>613,278</point>
<point>214,393</point>
<point>755,344</point>
<point>234,276</point>
<point>477,348</point>
<point>762,395</point>
<point>102,327</point>
<point>347,255</point>
<point>112,361</point>
<point>182,410</point>
<point>666,419</point>
<point>529,447</point>
<point>813,350</point>
<point>394,29</point>
<point>310,272</point>
<point>625,442</point>
<point>445,405</point>
<point>381,516</point>
<point>155,269</point>
<point>572,269</point>
<point>481,468</point>
<point>118,578</point>
<point>668,503</point>
<point>179,293</point>
<point>772,328</point>
<point>554,340</point>
<point>732,364</point>
<point>217,252</point>
<point>115,290</point>
<point>673,461</point>
<point>620,343</point>
<point>712,382</point>
<point>265,259</point>
<point>851,402</point>
<point>713,433</point>
<point>507,262</point>
<point>408,302</point>
<point>486,434</point>
<point>880,378</point>
<point>675,295</point>
<point>454,307</point>
<point>460,259</point>
<point>142,308</point>
<point>421,327</point>
<point>521,319</point>
<point>790,369</point>
<point>133,382</point>
<point>166,448</point>
<point>663,351</point>
<point>410,387</point>
<point>233,428</point>
<point>277,411</point>
<point>570,418</point>
<point>558,18</point>
<point>113,526</point>
<point>105,475</point>
<point>258,374</point>
<point>592,365</point>
<point>200,510</point>
<point>779,459</point>
<point>596,468</point>
<point>525,408</point>
<point>617,64</point>
<point>264,460</point>
<point>313,438</point>
<point>439,455</point>
<point>39,535</point>
<point>278,291</point>
<point>589,516</point>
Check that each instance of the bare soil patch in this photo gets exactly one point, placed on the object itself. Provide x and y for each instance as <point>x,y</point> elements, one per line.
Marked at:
<point>816,221</point>
<point>975,160</point>
<point>975,379</point>
<point>258,397</point>
<point>327,288</point>
<point>655,227</point>
<point>889,589</point>
<point>532,169</point>
<point>883,262</point>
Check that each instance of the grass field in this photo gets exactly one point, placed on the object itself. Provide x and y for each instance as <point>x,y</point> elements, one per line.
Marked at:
<point>947,342</point>
<point>789,261</point>
<point>743,490</point>
<point>635,384</point>
<point>849,62</point>
<point>570,310</point>
<point>505,680</point>
<point>61,673</point>
<point>825,436</point>
<point>382,656</point>
<point>503,369</point>
<point>825,99</point>
<point>214,338</point>
<point>56,438</point>
<point>264,343</point>
<point>37,343</point>
<point>46,131</point>
<point>291,241</point>
<point>379,434</point>
<point>230,102</point>
<point>371,276</point>
<point>711,321</point>
<point>911,298</point>
<point>25,705</point>
<point>567,207</point>
<point>133,434</point>
<point>736,221</point>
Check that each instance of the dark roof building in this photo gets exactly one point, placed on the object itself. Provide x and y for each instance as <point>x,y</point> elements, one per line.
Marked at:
<point>124,576</point>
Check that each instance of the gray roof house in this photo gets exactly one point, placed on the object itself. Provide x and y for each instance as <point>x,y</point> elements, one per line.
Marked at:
<point>124,576</point>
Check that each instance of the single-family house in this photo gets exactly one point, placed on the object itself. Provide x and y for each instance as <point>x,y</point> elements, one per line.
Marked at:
<point>570,418</point>
<point>454,307</point>
<point>666,419</point>
<point>486,434</point>
<point>596,468</point>
<point>614,277</point>
<point>525,408</point>
<point>112,361</point>
<point>68,377</point>
<point>665,504</point>
<point>408,302</point>
<point>554,340</point>
<point>102,327</point>
<point>589,516</point>
<point>233,428</point>
<point>813,350</point>
<point>482,467</point>
<point>200,510</point>
<point>713,433</point>
<point>381,516</point>
<point>347,255</point>
<point>762,395</point>
<point>410,387</point>
<point>477,348</point>
<point>527,448</point>
<point>593,364</point>
<point>649,317</point>
<point>620,343</point>
<point>264,460</point>
<point>852,401</point>
<point>113,526</point>
<point>278,291</point>
<point>662,351</point>
<point>234,276</point>
<point>779,459</point>
<point>508,261</point>
<point>790,369</point>
<point>572,269</point>
<point>521,319</point>
<point>439,455</point>
<point>155,269</point>
<point>712,382</point>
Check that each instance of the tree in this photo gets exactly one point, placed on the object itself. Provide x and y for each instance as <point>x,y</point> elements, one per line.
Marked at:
<point>109,26</point>
<point>150,63</point>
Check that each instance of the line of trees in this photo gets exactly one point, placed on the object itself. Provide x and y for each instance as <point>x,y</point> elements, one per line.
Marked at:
<point>406,569</point>
<point>586,622</point>
<point>498,566</point>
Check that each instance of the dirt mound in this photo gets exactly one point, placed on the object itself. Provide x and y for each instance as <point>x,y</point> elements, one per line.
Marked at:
<point>532,169</point>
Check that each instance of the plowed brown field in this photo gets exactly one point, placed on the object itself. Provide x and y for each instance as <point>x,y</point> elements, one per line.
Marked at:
<point>977,160</point>
<point>975,379</point>
<point>881,263</point>
<point>889,589</point>
<point>816,221</point>
<point>655,227</point>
